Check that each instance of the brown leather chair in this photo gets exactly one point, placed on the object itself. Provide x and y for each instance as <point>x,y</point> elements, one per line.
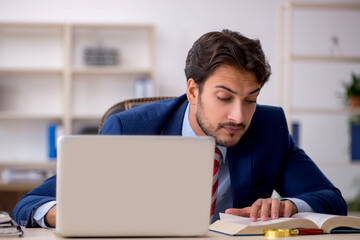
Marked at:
<point>126,105</point>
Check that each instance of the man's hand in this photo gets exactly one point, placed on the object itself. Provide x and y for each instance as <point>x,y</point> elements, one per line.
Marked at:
<point>50,217</point>
<point>265,208</point>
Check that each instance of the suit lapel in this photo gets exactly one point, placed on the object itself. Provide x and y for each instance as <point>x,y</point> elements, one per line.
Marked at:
<point>240,170</point>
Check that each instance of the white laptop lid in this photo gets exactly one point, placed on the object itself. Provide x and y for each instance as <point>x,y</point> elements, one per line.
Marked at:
<point>134,185</point>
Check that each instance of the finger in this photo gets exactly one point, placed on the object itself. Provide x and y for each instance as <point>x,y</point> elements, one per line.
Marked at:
<point>287,208</point>
<point>254,211</point>
<point>265,209</point>
<point>275,208</point>
<point>243,212</point>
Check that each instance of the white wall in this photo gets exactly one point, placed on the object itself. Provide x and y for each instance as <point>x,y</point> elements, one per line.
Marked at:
<point>178,24</point>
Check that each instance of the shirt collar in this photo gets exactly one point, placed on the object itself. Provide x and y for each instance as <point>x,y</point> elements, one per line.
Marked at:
<point>187,131</point>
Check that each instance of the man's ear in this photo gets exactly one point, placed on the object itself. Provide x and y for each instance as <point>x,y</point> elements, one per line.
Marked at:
<point>192,91</point>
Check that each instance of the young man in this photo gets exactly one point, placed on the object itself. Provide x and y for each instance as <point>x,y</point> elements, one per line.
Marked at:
<point>225,72</point>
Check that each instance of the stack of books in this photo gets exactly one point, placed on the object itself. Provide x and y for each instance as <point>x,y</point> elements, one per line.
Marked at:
<point>8,227</point>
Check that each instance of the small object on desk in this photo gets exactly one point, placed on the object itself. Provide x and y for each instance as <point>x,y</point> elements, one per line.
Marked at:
<point>8,227</point>
<point>284,232</point>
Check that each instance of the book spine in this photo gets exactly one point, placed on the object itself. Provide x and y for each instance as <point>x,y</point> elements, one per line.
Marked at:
<point>52,141</point>
<point>53,132</point>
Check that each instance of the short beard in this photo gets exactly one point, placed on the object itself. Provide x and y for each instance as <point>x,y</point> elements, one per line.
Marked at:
<point>211,132</point>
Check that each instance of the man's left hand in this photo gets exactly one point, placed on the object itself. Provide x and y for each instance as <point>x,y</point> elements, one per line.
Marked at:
<point>264,209</point>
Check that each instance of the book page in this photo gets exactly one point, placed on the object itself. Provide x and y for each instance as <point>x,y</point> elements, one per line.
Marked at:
<point>317,218</point>
<point>329,222</point>
<point>4,217</point>
<point>246,221</point>
<point>236,225</point>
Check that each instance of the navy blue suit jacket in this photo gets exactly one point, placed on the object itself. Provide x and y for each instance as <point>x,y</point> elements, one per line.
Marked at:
<point>266,158</point>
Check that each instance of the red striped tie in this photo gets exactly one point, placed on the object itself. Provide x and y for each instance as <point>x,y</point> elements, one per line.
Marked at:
<point>215,181</point>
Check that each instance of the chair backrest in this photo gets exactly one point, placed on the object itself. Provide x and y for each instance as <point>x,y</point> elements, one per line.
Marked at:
<point>126,105</point>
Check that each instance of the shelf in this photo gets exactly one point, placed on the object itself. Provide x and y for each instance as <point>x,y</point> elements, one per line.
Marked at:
<point>325,6</point>
<point>112,71</point>
<point>44,164</point>
<point>287,56</point>
<point>336,111</point>
<point>16,70</point>
<point>15,187</point>
<point>44,79</point>
<point>324,58</point>
<point>29,116</point>
<point>337,164</point>
<point>113,26</point>
<point>87,117</point>
<point>32,25</point>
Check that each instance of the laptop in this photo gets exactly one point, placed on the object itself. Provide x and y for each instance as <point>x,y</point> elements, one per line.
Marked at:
<point>111,186</point>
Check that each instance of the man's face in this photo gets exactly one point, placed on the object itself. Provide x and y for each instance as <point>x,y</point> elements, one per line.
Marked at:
<point>225,106</point>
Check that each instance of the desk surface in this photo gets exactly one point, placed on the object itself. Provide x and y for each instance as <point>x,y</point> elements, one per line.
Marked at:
<point>47,234</point>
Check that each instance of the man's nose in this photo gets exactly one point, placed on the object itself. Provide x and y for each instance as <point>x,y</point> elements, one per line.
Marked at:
<point>236,113</point>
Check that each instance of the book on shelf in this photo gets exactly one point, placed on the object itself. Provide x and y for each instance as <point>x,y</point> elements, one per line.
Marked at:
<point>54,131</point>
<point>237,226</point>
<point>8,227</point>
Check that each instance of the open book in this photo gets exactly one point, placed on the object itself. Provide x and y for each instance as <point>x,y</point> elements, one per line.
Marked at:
<point>235,225</point>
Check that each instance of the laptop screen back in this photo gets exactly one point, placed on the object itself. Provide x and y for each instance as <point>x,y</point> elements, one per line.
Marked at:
<point>134,185</point>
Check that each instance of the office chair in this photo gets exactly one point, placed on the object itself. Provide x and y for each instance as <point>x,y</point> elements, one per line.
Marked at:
<point>126,105</point>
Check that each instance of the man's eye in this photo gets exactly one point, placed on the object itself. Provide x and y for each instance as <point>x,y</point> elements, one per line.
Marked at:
<point>224,99</point>
<point>251,101</point>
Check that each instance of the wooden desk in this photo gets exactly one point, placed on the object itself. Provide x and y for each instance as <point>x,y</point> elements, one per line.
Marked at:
<point>47,234</point>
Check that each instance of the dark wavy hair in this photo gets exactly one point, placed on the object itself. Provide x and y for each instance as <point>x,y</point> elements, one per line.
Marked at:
<point>226,48</point>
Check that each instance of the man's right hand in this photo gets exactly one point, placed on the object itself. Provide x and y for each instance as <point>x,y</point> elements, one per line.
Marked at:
<point>266,209</point>
<point>50,217</point>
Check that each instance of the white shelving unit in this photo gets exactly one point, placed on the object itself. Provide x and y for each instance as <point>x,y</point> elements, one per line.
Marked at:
<point>310,70</point>
<point>44,80</point>
<point>286,56</point>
